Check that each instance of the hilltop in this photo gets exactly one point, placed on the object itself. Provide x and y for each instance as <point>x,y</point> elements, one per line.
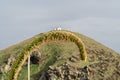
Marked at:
<point>60,60</point>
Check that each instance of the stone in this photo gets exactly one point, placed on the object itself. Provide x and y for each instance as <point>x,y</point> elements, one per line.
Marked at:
<point>5,67</point>
<point>67,72</point>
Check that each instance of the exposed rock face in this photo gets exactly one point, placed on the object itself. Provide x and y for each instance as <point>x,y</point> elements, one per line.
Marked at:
<point>4,68</point>
<point>66,72</point>
<point>104,67</point>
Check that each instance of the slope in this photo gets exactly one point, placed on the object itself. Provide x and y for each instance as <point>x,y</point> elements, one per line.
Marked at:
<point>103,63</point>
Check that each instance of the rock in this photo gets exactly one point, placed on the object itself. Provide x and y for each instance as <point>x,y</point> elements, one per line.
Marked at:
<point>11,60</point>
<point>50,67</point>
<point>73,59</point>
<point>67,72</point>
<point>2,68</point>
<point>5,67</point>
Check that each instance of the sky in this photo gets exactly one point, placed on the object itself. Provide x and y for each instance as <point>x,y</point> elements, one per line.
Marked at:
<point>22,19</point>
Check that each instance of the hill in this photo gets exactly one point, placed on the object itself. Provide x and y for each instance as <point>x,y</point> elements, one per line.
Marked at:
<point>60,60</point>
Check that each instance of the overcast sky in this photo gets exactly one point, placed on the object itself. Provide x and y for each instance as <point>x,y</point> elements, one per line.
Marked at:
<point>98,19</point>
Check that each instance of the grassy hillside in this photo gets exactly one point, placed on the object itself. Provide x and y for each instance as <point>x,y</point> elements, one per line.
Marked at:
<point>103,62</point>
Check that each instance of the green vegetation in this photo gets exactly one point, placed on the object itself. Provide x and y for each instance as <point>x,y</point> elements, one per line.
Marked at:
<point>103,62</point>
<point>46,37</point>
<point>49,52</point>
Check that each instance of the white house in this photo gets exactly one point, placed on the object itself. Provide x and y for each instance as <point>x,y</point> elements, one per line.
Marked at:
<point>59,28</point>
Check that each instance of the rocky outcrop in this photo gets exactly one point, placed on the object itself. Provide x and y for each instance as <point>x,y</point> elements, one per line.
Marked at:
<point>6,66</point>
<point>66,72</point>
